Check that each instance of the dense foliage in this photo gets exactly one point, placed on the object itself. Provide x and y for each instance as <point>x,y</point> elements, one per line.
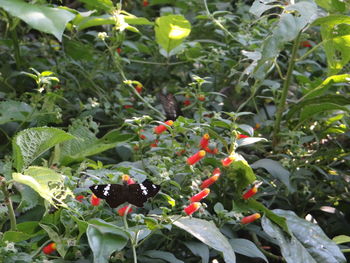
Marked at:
<point>238,110</point>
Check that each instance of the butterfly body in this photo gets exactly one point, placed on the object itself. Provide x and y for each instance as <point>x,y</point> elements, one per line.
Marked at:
<point>116,194</point>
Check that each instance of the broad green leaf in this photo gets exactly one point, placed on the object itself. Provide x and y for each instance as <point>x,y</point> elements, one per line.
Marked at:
<point>247,248</point>
<point>329,98</point>
<point>292,250</point>
<point>14,111</point>
<point>209,234</point>
<point>276,170</point>
<point>319,90</point>
<point>61,246</point>
<point>15,236</point>
<point>312,237</point>
<point>29,144</point>
<point>46,19</point>
<point>46,182</point>
<point>335,32</point>
<point>258,8</point>
<point>171,30</point>
<point>104,239</point>
<point>341,239</point>
<point>24,231</point>
<point>82,226</point>
<point>241,172</point>
<point>198,249</point>
<point>29,198</point>
<point>90,21</point>
<point>86,144</point>
<point>332,6</point>
<point>167,256</point>
<point>105,5</point>
<point>294,19</point>
<point>310,110</point>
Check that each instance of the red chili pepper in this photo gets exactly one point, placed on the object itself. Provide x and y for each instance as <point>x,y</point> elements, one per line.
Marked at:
<point>162,128</point>
<point>139,88</point>
<point>201,97</point>
<point>208,182</point>
<point>241,136</point>
<point>202,194</point>
<point>187,102</point>
<point>227,161</point>
<point>250,219</point>
<point>94,200</point>
<point>193,207</point>
<point>50,248</point>
<point>212,151</point>
<point>305,43</point>
<point>204,141</point>
<point>216,171</point>
<point>79,198</point>
<point>122,211</point>
<point>196,157</point>
<point>141,135</point>
<point>252,191</point>
<point>145,3</point>
<point>128,106</point>
<point>119,50</point>
<point>154,144</point>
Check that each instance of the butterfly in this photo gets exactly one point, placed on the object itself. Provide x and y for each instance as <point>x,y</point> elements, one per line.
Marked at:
<point>116,194</point>
<point>170,106</point>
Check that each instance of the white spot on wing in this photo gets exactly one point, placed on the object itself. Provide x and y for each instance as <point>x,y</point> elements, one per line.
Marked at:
<point>95,187</point>
<point>144,189</point>
<point>106,190</point>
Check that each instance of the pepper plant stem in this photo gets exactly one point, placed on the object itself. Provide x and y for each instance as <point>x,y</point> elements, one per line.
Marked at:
<point>8,203</point>
<point>285,88</point>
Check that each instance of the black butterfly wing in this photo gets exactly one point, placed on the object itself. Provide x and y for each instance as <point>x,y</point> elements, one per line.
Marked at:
<point>170,106</point>
<point>114,194</point>
<point>139,193</point>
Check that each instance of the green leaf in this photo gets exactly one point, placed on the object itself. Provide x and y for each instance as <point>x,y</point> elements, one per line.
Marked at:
<point>105,5</point>
<point>198,249</point>
<point>332,6</point>
<point>249,140</point>
<point>294,19</point>
<point>320,247</point>
<point>276,170</point>
<point>15,236</point>
<point>46,182</point>
<point>319,90</point>
<point>86,144</point>
<point>29,198</point>
<point>329,98</point>
<point>167,256</point>
<point>291,249</point>
<point>29,144</point>
<point>82,226</point>
<point>247,248</point>
<point>105,238</point>
<point>209,234</point>
<point>310,110</point>
<point>241,172</point>
<point>341,239</point>
<point>25,231</point>
<point>335,32</point>
<point>14,111</point>
<point>171,30</point>
<point>259,8</point>
<point>46,19</point>
<point>90,21</point>
<point>61,246</point>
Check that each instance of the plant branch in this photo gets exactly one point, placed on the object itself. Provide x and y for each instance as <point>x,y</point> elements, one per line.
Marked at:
<point>133,242</point>
<point>8,203</point>
<point>266,253</point>
<point>285,88</point>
